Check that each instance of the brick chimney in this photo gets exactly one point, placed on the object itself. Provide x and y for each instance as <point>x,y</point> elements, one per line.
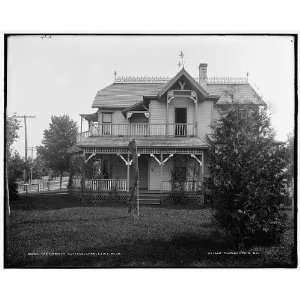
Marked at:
<point>202,73</point>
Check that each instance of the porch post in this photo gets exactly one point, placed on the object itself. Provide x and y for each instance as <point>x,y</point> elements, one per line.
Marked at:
<point>195,118</point>
<point>83,175</point>
<point>161,173</point>
<point>80,124</point>
<point>167,118</point>
<point>202,167</point>
<point>128,172</point>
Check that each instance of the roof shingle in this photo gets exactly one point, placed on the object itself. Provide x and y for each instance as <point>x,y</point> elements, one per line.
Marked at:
<point>123,94</point>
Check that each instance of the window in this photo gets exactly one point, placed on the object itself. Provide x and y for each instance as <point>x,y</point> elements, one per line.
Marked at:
<point>106,117</point>
<point>180,121</point>
<point>107,123</point>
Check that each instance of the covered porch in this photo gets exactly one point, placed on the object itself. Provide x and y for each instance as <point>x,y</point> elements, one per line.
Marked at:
<point>160,169</point>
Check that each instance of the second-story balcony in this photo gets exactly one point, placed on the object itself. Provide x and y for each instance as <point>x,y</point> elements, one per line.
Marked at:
<point>140,130</point>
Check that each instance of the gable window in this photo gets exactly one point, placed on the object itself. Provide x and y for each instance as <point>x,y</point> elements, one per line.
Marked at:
<point>107,123</point>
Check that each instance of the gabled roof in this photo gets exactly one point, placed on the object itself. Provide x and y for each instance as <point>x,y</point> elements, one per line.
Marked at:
<point>184,73</point>
<point>235,94</point>
<point>125,93</point>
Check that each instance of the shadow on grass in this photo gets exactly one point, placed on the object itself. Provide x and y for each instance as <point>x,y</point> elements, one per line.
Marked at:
<point>56,201</point>
<point>50,201</point>
<point>98,219</point>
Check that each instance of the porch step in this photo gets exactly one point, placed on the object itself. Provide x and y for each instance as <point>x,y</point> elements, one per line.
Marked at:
<point>149,198</point>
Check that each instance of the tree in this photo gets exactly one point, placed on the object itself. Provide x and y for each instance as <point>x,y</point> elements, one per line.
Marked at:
<point>290,157</point>
<point>60,136</point>
<point>38,166</point>
<point>248,171</point>
<point>290,168</point>
<point>12,127</point>
<point>15,166</point>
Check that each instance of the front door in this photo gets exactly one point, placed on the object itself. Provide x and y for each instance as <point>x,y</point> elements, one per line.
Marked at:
<point>180,121</point>
<point>143,172</point>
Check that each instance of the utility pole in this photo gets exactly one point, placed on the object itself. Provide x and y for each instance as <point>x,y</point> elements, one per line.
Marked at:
<point>31,167</point>
<point>25,117</point>
<point>31,149</point>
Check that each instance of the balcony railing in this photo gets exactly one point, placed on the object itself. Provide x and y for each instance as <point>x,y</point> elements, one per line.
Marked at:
<point>139,129</point>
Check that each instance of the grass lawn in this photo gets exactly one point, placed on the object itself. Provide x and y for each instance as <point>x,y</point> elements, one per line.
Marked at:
<point>61,233</point>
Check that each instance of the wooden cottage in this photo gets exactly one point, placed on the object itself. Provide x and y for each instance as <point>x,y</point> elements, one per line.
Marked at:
<point>168,118</point>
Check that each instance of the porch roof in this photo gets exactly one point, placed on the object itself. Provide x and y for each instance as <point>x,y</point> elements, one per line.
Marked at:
<point>146,142</point>
<point>93,117</point>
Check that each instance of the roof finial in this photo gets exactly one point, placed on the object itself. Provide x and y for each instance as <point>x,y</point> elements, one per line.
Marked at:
<point>115,74</point>
<point>181,62</point>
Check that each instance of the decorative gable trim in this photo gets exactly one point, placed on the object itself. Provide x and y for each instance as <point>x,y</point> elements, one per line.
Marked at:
<point>192,81</point>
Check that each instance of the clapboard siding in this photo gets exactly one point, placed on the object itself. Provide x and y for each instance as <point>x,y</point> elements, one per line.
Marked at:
<point>181,102</point>
<point>157,111</point>
<point>205,113</point>
<point>117,116</point>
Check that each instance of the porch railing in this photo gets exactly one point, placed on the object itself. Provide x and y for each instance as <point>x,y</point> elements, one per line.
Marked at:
<point>186,186</point>
<point>95,185</point>
<point>139,129</point>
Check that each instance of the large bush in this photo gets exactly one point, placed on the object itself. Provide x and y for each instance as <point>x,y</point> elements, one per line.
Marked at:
<point>247,167</point>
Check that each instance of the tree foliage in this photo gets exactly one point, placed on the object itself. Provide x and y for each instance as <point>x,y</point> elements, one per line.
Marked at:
<point>38,166</point>
<point>290,158</point>
<point>248,171</point>
<point>14,163</point>
<point>12,127</point>
<point>60,136</point>
<point>15,168</point>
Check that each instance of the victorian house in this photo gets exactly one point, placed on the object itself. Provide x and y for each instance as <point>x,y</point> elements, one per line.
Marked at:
<point>168,118</point>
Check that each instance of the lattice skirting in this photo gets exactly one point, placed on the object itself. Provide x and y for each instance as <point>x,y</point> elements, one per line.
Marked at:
<point>121,197</point>
<point>188,198</point>
<point>194,198</point>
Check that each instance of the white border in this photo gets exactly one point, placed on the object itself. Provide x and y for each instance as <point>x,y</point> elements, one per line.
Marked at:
<point>148,17</point>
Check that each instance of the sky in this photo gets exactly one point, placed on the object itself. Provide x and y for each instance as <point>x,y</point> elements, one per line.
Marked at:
<point>58,75</point>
